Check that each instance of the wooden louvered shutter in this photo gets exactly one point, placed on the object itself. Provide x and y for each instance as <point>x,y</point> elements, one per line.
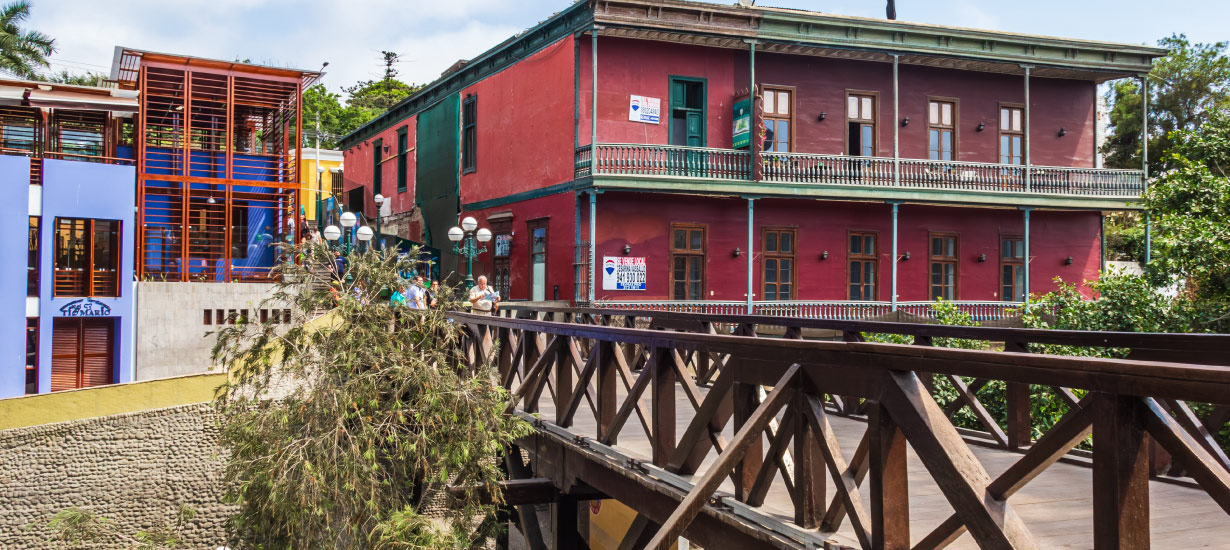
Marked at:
<point>65,354</point>
<point>96,357</point>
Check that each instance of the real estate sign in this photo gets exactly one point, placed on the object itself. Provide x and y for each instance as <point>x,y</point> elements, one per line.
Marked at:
<point>623,273</point>
<point>645,109</point>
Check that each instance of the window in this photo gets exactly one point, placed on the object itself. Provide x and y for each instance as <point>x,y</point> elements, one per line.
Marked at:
<point>32,260</point>
<point>31,355</point>
<point>943,266</point>
<point>82,352</point>
<point>377,158</point>
<point>239,230</point>
<point>687,103</point>
<point>335,183</point>
<point>777,264</point>
<point>469,134</point>
<point>861,122</point>
<point>403,153</point>
<point>687,262</point>
<point>864,266</point>
<point>538,259</point>
<point>1011,134</point>
<point>78,133</point>
<point>779,119</point>
<point>87,257</point>
<point>941,129</point>
<point>1012,268</point>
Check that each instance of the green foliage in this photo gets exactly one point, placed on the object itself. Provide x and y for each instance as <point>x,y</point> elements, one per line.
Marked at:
<point>366,100</point>
<point>1125,237</point>
<point>76,79</point>
<point>81,528</point>
<point>22,52</point>
<point>1185,89</point>
<point>341,428</point>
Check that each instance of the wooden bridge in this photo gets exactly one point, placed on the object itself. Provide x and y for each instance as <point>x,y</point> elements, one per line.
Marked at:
<point>770,432</point>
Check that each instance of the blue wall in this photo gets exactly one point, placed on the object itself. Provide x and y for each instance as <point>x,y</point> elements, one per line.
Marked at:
<point>73,189</point>
<point>14,221</point>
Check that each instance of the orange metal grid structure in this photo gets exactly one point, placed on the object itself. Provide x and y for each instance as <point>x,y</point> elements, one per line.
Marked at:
<point>217,178</point>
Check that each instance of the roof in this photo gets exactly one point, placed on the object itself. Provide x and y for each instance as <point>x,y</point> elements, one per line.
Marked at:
<point>32,93</point>
<point>127,61</point>
<point>792,31</point>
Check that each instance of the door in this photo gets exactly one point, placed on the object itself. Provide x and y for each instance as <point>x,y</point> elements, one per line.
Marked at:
<point>538,261</point>
<point>687,126</point>
<point>82,353</point>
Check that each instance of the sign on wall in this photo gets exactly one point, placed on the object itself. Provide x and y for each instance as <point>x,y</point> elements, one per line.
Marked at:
<point>645,109</point>
<point>503,245</point>
<point>623,273</point>
<point>741,130</point>
<point>85,307</point>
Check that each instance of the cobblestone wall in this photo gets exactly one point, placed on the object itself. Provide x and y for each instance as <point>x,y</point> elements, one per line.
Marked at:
<point>135,469</point>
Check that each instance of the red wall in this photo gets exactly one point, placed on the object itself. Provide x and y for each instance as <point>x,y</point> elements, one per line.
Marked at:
<point>525,126</point>
<point>644,67</point>
<point>357,168</point>
<point>560,211</point>
<point>643,222</point>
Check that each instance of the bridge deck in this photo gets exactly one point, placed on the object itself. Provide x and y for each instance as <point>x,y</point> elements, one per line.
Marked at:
<point>1057,506</point>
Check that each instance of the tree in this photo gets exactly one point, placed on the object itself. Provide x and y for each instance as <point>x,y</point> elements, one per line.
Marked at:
<point>76,79</point>
<point>341,429</point>
<point>336,120</point>
<point>22,52</point>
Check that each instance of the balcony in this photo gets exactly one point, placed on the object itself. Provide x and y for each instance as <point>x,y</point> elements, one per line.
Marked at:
<point>842,310</point>
<point>801,171</point>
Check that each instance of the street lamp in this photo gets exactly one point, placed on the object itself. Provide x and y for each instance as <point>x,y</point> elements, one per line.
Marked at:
<point>379,202</point>
<point>468,248</point>
<point>364,234</point>
<point>348,221</point>
<point>332,233</point>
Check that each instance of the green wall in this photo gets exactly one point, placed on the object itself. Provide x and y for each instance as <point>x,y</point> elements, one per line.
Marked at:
<point>437,177</point>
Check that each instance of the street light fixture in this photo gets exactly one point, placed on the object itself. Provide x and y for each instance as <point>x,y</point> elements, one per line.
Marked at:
<point>465,238</point>
<point>364,234</point>
<point>380,200</point>
<point>333,233</point>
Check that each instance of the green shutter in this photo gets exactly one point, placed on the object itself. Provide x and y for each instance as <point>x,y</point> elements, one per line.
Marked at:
<point>437,181</point>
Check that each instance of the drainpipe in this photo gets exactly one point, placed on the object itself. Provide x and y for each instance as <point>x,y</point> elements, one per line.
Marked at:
<point>593,243</point>
<point>896,148</point>
<point>1029,162</point>
<point>750,252</point>
<point>1026,210</point>
<point>893,297</point>
<point>1144,161</point>
<point>576,253</point>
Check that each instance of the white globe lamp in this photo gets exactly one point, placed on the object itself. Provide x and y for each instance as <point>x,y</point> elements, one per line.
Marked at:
<point>333,233</point>
<point>456,234</point>
<point>365,233</point>
<point>349,219</point>
<point>483,235</point>
<point>469,224</point>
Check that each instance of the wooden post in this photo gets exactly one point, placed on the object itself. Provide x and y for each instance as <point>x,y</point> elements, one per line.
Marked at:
<point>608,403</point>
<point>563,383</point>
<point>662,362</point>
<point>530,356</point>
<point>1020,423</point>
<point>564,533</point>
<point>809,502</point>
<point>890,496</point>
<point>1120,474</point>
<point>746,399</point>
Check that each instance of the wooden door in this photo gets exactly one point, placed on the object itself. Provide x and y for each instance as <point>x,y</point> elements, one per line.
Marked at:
<point>82,353</point>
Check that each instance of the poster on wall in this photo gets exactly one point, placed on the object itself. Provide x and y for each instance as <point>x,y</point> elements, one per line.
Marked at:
<point>645,109</point>
<point>741,129</point>
<point>503,245</point>
<point>623,273</point>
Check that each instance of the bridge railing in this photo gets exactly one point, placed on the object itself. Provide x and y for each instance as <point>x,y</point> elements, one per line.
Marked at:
<point>849,310</point>
<point>782,391</point>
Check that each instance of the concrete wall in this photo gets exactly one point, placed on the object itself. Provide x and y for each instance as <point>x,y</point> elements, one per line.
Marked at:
<point>65,406</point>
<point>172,338</point>
<point>73,189</point>
<point>14,217</point>
<point>135,469</point>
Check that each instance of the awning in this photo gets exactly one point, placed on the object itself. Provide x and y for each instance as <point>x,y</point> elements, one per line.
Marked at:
<point>73,100</point>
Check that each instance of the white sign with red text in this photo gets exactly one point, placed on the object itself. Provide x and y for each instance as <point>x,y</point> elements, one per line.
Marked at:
<point>623,273</point>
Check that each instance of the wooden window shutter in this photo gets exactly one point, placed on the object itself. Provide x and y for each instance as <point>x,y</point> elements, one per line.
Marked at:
<point>96,356</point>
<point>65,348</point>
<point>81,353</point>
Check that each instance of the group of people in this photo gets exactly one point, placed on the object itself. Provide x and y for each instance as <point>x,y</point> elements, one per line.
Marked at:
<point>417,294</point>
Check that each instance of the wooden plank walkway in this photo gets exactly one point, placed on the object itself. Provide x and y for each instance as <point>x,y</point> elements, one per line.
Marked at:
<point>1057,506</point>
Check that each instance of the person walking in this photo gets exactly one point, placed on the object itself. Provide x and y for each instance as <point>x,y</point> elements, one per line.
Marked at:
<point>484,300</point>
<point>433,295</point>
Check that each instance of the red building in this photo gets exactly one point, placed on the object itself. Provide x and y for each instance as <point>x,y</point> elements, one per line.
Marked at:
<point>883,164</point>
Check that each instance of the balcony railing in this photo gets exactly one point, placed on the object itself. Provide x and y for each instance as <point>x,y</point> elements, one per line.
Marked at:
<point>624,159</point>
<point>801,168</point>
<point>821,309</point>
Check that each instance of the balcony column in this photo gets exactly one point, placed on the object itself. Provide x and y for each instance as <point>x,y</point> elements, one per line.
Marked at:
<point>1028,159</point>
<point>577,296</point>
<point>896,152</point>
<point>893,289</point>
<point>1144,160</point>
<point>1026,266</point>
<point>751,210</point>
<point>753,147</point>
<point>593,242</point>
<point>593,113</point>
<point>1102,246</point>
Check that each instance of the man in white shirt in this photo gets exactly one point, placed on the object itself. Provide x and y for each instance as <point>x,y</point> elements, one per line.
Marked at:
<point>416,296</point>
<point>483,299</point>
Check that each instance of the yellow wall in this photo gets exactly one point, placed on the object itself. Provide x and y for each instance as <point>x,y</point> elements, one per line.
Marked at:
<point>62,406</point>
<point>307,167</point>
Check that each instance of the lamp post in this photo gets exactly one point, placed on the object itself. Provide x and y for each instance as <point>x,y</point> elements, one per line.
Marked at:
<point>320,190</point>
<point>348,221</point>
<point>364,234</point>
<point>379,203</point>
<point>465,237</point>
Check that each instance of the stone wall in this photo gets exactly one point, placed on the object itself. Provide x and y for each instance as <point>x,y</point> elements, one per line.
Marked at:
<point>135,469</point>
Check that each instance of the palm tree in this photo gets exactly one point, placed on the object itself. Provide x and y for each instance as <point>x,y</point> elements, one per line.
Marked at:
<point>22,51</point>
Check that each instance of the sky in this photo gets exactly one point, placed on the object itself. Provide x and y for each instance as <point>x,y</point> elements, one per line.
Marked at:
<point>431,35</point>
